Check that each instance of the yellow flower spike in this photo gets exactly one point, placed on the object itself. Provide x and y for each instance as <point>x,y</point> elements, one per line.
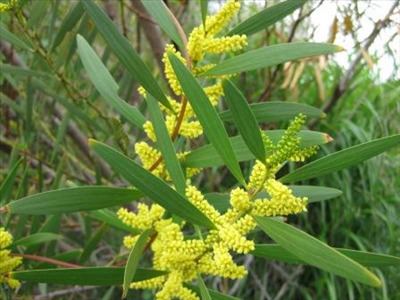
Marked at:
<point>195,43</point>
<point>5,238</point>
<point>216,23</point>
<point>282,202</point>
<point>148,155</point>
<point>224,264</point>
<point>232,239</point>
<point>240,199</point>
<point>7,262</point>
<point>144,218</point>
<point>197,198</point>
<point>149,130</point>
<point>225,44</point>
<point>245,224</point>
<point>152,283</point>
<point>130,241</point>
<point>257,176</point>
<point>169,71</point>
<point>191,130</point>
<point>214,92</point>
<point>141,90</point>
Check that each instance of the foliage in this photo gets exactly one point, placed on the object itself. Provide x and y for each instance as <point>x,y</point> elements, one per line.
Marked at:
<point>177,125</point>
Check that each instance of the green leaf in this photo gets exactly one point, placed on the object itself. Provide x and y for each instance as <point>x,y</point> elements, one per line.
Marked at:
<point>92,243</point>
<point>12,38</point>
<point>73,199</point>
<point>23,72</point>
<point>105,83</point>
<point>204,9</point>
<point>270,56</point>
<point>36,238</point>
<point>133,260</point>
<point>314,194</point>
<point>215,295</point>
<point>266,17</point>
<point>124,51</point>
<point>8,181</point>
<point>275,111</point>
<point>166,146</point>
<point>205,295</point>
<point>212,125</point>
<point>161,13</point>
<point>343,159</point>
<point>368,259</point>
<point>68,24</point>
<point>314,252</point>
<point>207,156</point>
<point>109,217</point>
<point>150,185</point>
<point>97,276</point>
<point>244,119</point>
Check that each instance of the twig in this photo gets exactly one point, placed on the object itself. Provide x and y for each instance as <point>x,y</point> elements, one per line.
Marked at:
<point>52,261</point>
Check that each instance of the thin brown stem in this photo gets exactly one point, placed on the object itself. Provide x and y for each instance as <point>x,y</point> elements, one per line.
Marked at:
<point>48,260</point>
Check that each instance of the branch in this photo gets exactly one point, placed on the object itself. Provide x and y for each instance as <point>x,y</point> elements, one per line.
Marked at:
<point>152,32</point>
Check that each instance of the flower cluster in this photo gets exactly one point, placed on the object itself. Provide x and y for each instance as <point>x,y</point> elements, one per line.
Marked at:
<point>182,118</point>
<point>7,262</point>
<point>209,252</point>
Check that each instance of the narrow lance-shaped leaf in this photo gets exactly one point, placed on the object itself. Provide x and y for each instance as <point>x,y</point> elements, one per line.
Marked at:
<point>105,83</point>
<point>205,295</point>
<point>204,9</point>
<point>212,125</point>
<point>72,200</point>
<point>343,159</point>
<point>266,17</point>
<point>37,238</point>
<point>8,181</point>
<point>275,111</point>
<point>133,261</point>
<point>124,51</point>
<point>166,146</point>
<point>207,155</point>
<point>150,185</point>
<point>68,23</point>
<point>12,38</point>
<point>368,259</point>
<point>161,13</point>
<point>98,276</point>
<point>244,119</point>
<point>314,252</point>
<point>270,56</point>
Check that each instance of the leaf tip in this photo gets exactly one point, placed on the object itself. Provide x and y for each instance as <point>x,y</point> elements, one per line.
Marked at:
<point>92,142</point>
<point>339,48</point>
<point>328,138</point>
<point>4,209</point>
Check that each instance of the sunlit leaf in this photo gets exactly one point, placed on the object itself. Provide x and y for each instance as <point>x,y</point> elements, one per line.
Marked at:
<point>270,56</point>
<point>73,199</point>
<point>314,252</point>
<point>343,159</point>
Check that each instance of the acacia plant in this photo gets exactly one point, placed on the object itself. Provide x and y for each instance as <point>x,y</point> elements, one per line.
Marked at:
<point>189,235</point>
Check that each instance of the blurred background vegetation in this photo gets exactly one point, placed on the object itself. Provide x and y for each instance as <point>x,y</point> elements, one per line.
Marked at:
<point>49,109</point>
